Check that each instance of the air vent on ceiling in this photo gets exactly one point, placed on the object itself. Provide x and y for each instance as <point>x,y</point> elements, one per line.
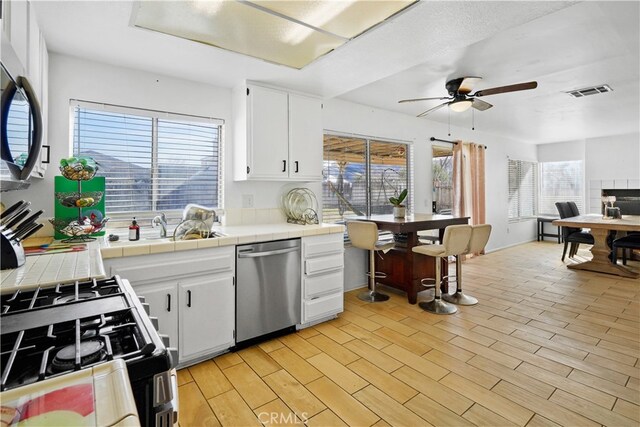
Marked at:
<point>594,90</point>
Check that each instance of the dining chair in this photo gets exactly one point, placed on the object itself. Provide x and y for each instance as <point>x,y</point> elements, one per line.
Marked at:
<point>364,235</point>
<point>572,235</point>
<point>454,242</point>
<point>631,241</point>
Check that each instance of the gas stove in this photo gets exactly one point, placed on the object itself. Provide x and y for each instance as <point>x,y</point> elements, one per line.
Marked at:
<point>53,331</point>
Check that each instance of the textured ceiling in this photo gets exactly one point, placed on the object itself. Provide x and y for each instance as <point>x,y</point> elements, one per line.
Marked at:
<point>563,45</point>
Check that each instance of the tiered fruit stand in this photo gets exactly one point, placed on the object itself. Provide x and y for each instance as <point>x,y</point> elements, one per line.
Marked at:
<point>81,227</point>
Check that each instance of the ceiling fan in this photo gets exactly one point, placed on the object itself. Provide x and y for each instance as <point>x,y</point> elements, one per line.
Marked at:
<point>461,99</point>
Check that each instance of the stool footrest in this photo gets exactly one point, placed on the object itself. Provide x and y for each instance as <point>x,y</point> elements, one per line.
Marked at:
<point>377,275</point>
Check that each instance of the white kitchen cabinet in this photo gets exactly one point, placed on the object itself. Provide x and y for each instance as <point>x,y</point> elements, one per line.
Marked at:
<point>207,315</point>
<point>192,293</point>
<point>162,298</point>
<point>322,277</point>
<point>278,135</point>
<point>305,138</point>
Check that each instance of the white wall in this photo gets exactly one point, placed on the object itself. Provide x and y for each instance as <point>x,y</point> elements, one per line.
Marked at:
<point>74,78</point>
<point>607,160</point>
<point>613,157</point>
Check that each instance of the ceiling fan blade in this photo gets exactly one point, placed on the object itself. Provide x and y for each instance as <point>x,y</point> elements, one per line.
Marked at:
<point>433,109</point>
<point>480,105</point>
<point>504,89</point>
<point>423,99</point>
<point>467,84</point>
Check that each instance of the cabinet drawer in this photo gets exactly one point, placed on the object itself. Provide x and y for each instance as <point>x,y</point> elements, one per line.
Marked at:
<point>322,245</point>
<point>321,307</point>
<point>146,269</point>
<point>325,264</point>
<point>324,284</point>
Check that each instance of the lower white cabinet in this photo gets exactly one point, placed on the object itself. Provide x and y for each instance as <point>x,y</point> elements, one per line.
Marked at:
<point>192,294</point>
<point>322,277</point>
<point>206,315</point>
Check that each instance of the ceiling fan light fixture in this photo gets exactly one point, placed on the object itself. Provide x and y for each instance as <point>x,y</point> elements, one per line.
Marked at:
<point>460,106</point>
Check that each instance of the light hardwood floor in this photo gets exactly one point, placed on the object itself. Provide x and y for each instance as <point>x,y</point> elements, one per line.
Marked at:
<point>545,346</point>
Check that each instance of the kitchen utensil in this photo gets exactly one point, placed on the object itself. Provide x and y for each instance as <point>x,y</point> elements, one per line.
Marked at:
<point>28,232</point>
<point>10,209</point>
<point>27,222</point>
<point>191,229</point>
<point>37,242</point>
<point>16,219</point>
<point>11,251</point>
<point>200,213</point>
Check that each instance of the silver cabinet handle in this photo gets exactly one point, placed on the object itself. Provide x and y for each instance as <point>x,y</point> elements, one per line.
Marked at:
<point>267,253</point>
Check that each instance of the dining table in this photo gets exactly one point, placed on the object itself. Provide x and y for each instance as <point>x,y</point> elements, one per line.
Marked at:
<point>600,228</point>
<point>404,269</point>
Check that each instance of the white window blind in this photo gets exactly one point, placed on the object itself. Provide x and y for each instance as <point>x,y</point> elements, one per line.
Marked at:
<point>560,182</point>
<point>152,161</point>
<point>523,179</point>
<point>360,175</point>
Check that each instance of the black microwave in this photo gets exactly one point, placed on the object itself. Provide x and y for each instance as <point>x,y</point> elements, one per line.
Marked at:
<point>20,130</point>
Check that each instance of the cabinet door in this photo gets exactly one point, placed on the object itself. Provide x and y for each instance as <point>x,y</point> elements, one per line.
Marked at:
<point>207,315</point>
<point>267,133</point>
<point>305,138</point>
<point>163,304</point>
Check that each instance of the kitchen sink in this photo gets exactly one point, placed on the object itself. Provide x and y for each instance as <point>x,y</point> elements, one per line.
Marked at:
<point>155,239</point>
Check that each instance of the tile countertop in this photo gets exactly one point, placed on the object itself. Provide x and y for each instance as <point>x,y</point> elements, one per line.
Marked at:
<point>233,235</point>
<point>43,270</point>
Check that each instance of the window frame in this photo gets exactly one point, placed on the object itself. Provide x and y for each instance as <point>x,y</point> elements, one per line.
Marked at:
<point>155,116</point>
<point>368,140</point>
<point>579,199</point>
<point>535,191</point>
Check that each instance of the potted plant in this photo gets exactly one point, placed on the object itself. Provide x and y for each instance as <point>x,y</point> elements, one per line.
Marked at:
<point>399,210</point>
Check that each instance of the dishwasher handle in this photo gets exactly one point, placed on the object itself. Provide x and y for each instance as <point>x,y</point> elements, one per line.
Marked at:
<point>250,254</point>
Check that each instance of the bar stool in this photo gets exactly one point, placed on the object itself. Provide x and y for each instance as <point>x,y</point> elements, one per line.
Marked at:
<point>479,238</point>
<point>455,242</point>
<point>364,235</point>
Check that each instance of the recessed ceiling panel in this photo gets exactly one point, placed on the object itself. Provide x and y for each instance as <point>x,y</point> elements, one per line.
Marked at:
<point>237,27</point>
<point>345,18</point>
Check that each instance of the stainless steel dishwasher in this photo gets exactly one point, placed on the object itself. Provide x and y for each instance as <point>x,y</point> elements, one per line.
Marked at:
<point>268,288</point>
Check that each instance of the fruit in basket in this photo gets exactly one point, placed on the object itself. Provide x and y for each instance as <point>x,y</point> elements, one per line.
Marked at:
<point>78,168</point>
<point>84,202</point>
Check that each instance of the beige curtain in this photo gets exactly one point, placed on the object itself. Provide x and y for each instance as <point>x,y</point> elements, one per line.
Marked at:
<point>468,182</point>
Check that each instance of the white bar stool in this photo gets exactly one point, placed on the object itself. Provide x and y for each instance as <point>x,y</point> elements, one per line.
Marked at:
<point>455,242</point>
<point>364,235</point>
<point>479,238</point>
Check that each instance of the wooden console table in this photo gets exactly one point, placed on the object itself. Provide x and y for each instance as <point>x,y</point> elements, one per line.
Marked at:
<point>599,228</point>
<point>405,269</point>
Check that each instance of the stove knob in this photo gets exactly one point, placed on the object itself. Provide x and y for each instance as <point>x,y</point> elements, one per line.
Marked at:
<point>142,299</point>
<point>154,322</point>
<point>146,308</point>
<point>165,339</point>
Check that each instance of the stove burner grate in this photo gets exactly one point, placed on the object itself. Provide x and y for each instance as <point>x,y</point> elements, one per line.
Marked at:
<point>81,296</point>
<point>90,352</point>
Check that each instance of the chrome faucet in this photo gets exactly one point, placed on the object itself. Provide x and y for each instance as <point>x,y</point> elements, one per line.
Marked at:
<point>160,220</point>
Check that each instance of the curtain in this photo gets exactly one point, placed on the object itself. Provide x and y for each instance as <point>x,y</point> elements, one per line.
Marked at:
<point>469,182</point>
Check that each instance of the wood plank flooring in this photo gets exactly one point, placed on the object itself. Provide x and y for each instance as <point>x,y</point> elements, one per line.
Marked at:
<point>546,346</point>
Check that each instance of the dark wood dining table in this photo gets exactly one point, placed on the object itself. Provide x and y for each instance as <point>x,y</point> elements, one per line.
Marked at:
<point>403,268</point>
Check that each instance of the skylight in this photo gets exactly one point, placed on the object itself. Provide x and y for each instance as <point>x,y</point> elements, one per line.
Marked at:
<point>289,32</point>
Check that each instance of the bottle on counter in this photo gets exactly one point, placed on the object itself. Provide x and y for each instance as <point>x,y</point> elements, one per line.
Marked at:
<point>134,230</point>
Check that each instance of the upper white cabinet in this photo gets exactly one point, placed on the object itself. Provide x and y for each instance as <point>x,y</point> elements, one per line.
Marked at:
<point>278,135</point>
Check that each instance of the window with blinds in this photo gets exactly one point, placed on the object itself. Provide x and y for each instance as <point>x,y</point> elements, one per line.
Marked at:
<point>152,161</point>
<point>523,181</point>
<point>361,174</point>
<point>560,182</point>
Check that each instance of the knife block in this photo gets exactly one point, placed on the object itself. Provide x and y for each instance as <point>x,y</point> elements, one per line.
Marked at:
<point>12,253</point>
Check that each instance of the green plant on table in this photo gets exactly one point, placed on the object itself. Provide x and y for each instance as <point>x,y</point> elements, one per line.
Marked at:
<point>397,201</point>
